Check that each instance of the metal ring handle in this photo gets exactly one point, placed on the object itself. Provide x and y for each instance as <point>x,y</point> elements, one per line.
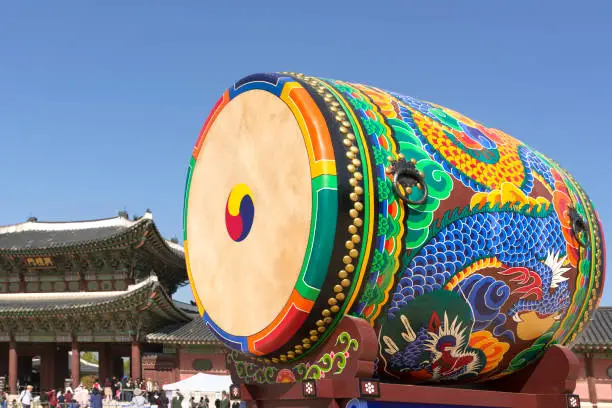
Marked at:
<point>579,226</point>
<point>408,179</point>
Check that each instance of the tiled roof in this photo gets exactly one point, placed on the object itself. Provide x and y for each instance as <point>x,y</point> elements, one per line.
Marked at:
<point>598,332</point>
<point>186,307</point>
<point>17,305</point>
<point>194,332</point>
<point>33,235</point>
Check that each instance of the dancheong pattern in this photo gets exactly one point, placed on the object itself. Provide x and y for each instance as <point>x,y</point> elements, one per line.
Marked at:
<point>502,260</point>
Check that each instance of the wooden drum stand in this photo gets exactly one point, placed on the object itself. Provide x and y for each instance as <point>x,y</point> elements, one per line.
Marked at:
<point>339,376</point>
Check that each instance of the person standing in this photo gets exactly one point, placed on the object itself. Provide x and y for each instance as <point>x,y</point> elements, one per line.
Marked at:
<point>95,400</point>
<point>177,400</point>
<point>138,401</point>
<point>108,391</point>
<point>163,399</point>
<point>225,403</point>
<point>52,396</point>
<point>26,397</point>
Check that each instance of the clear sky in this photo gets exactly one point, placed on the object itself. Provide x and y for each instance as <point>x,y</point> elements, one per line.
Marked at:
<point>102,101</point>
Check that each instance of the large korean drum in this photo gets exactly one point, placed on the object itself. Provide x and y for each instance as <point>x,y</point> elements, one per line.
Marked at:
<point>310,199</point>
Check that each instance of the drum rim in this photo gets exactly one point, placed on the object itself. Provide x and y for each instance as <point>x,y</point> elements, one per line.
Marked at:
<point>323,180</point>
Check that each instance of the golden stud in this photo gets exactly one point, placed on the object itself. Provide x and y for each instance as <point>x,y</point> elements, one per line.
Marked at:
<point>333,108</point>
<point>353,213</point>
<point>340,296</point>
<point>347,142</point>
<point>341,114</point>
<point>358,206</point>
<point>319,323</point>
<point>298,351</point>
<point>351,168</point>
<point>350,155</point>
<point>332,301</point>
<point>328,320</point>
<point>334,103</point>
<point>359,190</point>
<point>349,268</point>
<point>312,332</point>
<point>305,340</point>
<point>337,288</point>
<point>346,283</point>
<point>314,338</point>
<point>353,253</point>
<point>354,196</point>
<point>356,239</point>
<point>326,312</point>
<point>335,309</point>
<point>275,360</point>
<point>342,274</point>
<point>354,149</point>
<point>346,123</point>
<point>357,162</point>
<point>350,136</point>
<point>306,346</point>
<point>343,129</point>
<point>352,229</point>
<point>357,221</point>
<point>321,329</point>
<point>347,259</point>
<point>349,244</point>
<point>353,182</point>
<point>401,156</point>
<point>358,176</point>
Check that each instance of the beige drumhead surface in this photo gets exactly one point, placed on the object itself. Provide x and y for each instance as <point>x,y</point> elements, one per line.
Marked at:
<point>254,144</point>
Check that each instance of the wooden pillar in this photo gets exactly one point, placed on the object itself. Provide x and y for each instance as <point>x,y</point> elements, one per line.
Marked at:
<point>588,370</point>
<point>76,363</point>
<point>177,364</point>
<point>47,367</point>
<point>61,366</point>
<point>13,366</point>
<point>117,368</point>
<point>135,360</point>
<point>104,362</point>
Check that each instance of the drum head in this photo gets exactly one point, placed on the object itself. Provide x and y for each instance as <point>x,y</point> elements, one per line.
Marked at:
<point>249,212</point>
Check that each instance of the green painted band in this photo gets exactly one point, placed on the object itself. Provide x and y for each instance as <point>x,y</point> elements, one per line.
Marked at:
<point>321,238</point>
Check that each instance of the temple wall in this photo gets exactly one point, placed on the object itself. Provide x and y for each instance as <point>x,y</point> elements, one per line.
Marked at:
<point>190,357</point>
<point>596,388</point>
<point>179,363</point>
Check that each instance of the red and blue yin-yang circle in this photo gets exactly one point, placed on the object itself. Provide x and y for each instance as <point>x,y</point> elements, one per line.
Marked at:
<point>239,212</point>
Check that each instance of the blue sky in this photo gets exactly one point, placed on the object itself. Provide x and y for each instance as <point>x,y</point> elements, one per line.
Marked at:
<point>102,101</point>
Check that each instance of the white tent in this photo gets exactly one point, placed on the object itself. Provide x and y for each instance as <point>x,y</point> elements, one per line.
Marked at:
<point>200,385</point>
<point>201,382</point>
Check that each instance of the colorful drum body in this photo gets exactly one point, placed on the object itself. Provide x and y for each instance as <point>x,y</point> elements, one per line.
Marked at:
<point>310,199</point>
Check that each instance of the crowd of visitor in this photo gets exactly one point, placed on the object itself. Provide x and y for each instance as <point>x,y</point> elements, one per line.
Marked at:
<point>138,393</point>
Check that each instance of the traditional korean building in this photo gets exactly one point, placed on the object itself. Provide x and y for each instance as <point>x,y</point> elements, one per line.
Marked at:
<point>594,349</point>
<point>103,286</point>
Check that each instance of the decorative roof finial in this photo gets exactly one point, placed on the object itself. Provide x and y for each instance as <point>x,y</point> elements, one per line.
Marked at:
<point>32,219</point>
<point>123,214</point>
